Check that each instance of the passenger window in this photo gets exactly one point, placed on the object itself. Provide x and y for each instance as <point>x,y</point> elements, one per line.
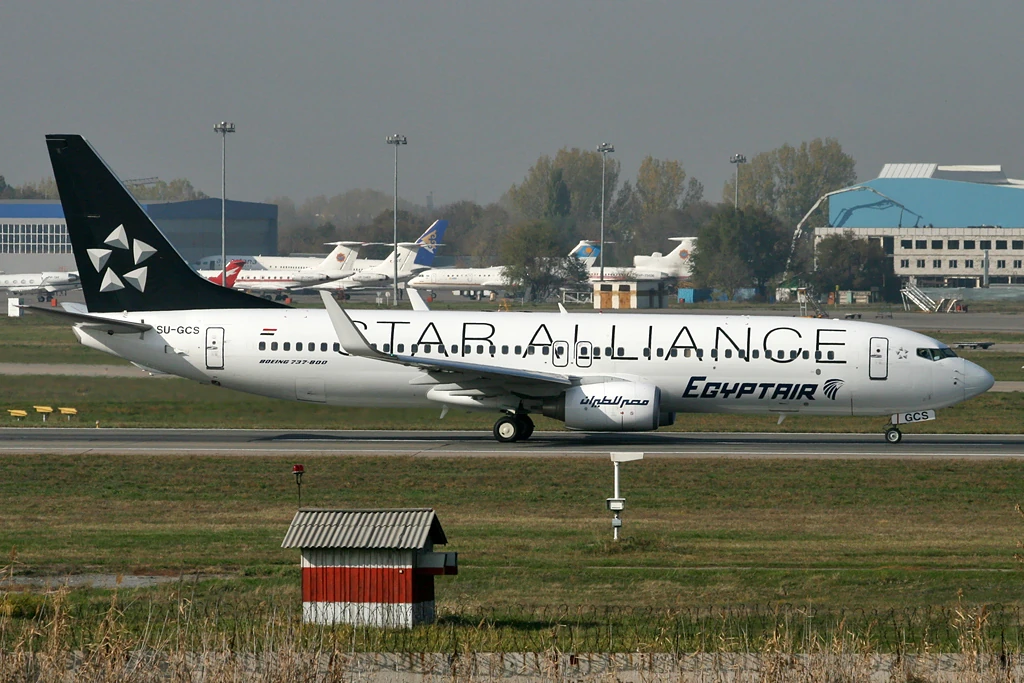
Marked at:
<point>687,353</point>
<point>273,346</point>
<point>700,353</point>
<point>413,348</point>
<point>831,355</point>
<point>621,351</point>
<point>661,352</point>
<point>455,348</point>
<point>401,348</point>
<point>647,353</point>
<point>792,354</point>
<point>311,346</point>
<point>558,351</point>
<point>544,350</point>
<point>372,346</point>
<point>466,350</point>
<point>608,351</point>
<point>597,352</point>
<point>755,353</point>
<point>323,346</point>
<point>817,355</point>
<point>530,351</point>
<point>492,350</point>
<point>480,349</point>
<point>519,350</point>
<point>728,353</point>
<point>387,348</point>
<point>263,346</point>
<point>806,355</point>
<point>504,349</point>
<point>675,352</point>
<point>287,346</point>
<point>584,352</point>
<point>714,354</point>
<point>298,346</point>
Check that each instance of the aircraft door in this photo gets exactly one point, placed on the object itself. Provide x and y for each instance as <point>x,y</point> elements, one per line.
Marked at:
<point>560,354</point>
<point>584,352</point>
<point>878,361</point>
<point>214,348</point>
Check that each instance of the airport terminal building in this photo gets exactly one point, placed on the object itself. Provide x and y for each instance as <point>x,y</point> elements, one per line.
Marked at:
<point>956,226</point>
<point>34,235</point>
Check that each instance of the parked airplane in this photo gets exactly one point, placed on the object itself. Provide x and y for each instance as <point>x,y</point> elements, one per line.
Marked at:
<point>337,264</point>
<point>485,279</point>
<point>594,372</point>
<point>231,272</point>
<point>413,257</point>
<point>673,265</point>
<point>44,285</point>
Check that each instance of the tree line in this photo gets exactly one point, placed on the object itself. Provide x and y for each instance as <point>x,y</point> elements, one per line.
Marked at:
<point>559,201</point>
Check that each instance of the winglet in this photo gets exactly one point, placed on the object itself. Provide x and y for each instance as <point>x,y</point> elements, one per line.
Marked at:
<point>351,339</point>
<point>561,308</point>
<point>418,304</point>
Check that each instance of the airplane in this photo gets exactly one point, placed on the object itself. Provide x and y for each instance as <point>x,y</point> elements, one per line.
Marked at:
<point>413,257</point>
<point>673,265</point>
<point>45,285</point>
<point>600,373</point>
<point>231,272</point>
<point>337,264</point>
<point>486,279</point>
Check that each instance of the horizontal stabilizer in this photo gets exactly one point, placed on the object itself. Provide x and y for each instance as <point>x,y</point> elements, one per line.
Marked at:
<point>92,321</point>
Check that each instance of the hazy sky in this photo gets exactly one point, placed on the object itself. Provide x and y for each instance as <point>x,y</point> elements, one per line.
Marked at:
<point>483,88</point>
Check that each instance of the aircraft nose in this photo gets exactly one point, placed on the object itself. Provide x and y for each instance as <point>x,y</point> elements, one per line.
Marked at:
<point>977,380</point>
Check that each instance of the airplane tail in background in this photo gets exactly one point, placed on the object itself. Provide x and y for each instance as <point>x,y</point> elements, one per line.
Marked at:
<point>430,240</point>
<point>232,271</point>
<point>586,251</point>
<point>342,259</point>
<point>124,261</point>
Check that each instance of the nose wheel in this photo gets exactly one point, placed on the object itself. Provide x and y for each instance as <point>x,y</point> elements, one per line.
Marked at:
<point>893,435</point>
<point>509,428</point>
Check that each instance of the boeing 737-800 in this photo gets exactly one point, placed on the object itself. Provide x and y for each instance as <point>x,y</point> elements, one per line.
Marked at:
<point>594,372</point>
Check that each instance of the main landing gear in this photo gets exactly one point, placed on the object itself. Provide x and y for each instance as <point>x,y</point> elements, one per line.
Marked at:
<point>893,435</point>
<point>513,427</point>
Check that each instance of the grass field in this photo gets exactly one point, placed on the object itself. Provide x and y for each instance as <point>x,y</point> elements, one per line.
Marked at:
<point>861,537</point>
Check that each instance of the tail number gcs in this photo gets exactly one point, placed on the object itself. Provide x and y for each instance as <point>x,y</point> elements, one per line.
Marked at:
<point>913,416</point>
<point>180,329</point>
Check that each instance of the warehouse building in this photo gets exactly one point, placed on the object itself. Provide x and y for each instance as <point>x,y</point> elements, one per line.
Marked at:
<point>956,226</point>
<point>34,235</point>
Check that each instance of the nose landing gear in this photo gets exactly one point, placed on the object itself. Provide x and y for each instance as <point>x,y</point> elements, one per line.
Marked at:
<point>514,427</point>
<point>893,435</point>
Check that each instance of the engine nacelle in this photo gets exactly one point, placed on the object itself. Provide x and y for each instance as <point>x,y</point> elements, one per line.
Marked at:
<point>310,276</point>
<point>369,277</point>
<point>608,407</point>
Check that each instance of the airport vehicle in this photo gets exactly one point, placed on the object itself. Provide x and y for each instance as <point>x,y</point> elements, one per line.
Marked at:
<point>413,257</point>
<point>609,372</point>
<point>230,273</point>
<point>485,279</point>
<point>44,285</point>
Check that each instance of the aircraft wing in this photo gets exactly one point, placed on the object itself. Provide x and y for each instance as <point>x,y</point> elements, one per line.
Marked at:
<point>354,343</point>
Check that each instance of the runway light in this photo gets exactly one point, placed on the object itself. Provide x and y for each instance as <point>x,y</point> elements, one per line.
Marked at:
<point>617,503</point>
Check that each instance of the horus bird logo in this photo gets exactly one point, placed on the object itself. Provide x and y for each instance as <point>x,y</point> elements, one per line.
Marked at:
<point>684,254</point>
<point>341,258</point>
<point>832,387</point>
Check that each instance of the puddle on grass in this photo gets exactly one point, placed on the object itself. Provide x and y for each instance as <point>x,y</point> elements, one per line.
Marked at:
<point>105,581</point>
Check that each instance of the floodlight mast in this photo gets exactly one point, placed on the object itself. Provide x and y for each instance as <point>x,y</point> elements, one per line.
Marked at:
<point>605,148</point>
<point>224,127</point>
<point>737,159</point>
<point>396,140</point>
<point>617,503</point>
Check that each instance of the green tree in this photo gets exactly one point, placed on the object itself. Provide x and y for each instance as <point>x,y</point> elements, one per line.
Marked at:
<point>735,248</point>
<point>559,203</point>
<point>788,180</point>
<point>660,187</point>
<point>581,173</point>
<point>534,256</point>
<point>848,262</point>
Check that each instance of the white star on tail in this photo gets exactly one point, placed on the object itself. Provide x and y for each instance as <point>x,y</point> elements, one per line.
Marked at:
<point>117,238</point>
<point>111,282</point>
<point>137,278</point>
<point>98,257</point>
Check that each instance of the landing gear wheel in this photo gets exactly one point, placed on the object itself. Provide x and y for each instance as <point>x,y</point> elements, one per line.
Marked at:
<point>893,435</point>
<point>525,426</point>
<point>508,429</point>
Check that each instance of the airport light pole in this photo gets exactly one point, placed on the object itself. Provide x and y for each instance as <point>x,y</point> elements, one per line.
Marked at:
<point>396,140</point>
<point>605,148</point>
<point>223,128</point>
<point>737,159</point>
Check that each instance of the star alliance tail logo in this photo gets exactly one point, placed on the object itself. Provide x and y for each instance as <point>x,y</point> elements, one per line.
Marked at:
<point>832,387</point>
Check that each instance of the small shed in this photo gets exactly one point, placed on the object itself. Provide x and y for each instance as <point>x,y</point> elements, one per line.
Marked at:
<point>631,294</point>
<point>369,567</point>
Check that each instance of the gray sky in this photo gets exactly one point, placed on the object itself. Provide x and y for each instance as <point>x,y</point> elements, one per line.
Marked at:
<point>483,88</point>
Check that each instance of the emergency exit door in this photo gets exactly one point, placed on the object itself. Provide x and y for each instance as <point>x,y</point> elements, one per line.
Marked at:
<point>214,348</point>
<point>878,361</point>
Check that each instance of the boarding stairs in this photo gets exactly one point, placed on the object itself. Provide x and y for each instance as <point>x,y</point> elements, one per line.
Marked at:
<point>912,294</point>
<point>809,305</point>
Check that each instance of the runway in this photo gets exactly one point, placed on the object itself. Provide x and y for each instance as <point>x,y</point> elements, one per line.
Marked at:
<point>245,442</point>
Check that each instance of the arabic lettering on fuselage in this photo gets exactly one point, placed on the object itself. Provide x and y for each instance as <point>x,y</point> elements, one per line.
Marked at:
<point>618,401</point>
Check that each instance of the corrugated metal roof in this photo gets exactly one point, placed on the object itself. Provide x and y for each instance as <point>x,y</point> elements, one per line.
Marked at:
<point>402,529</point>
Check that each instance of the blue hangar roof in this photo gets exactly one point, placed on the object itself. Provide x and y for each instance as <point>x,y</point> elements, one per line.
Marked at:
<point>928,201</point>
<point>199,208</point>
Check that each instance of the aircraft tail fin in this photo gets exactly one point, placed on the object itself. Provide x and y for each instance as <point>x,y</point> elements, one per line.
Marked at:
<point>586,251</point>
<point>342,258</point>
<point>125,263</point>
<point>430,240</point>
<point>232,270</point>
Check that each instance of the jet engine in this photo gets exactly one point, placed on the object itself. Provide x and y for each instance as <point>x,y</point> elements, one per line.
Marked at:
<point>310,276</point>
<point>369,277</point>
<point>609,407</point>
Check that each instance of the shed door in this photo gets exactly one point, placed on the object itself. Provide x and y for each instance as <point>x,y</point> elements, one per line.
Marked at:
<point>214,348</point>
<point>878,362</point>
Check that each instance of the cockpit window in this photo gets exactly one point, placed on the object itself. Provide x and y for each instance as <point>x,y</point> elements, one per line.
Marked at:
<point>936,354</point>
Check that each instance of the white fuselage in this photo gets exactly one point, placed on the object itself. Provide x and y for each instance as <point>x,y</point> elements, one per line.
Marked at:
<point>38,283</point>
<point>458,279</point>
<point>727,364</point>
